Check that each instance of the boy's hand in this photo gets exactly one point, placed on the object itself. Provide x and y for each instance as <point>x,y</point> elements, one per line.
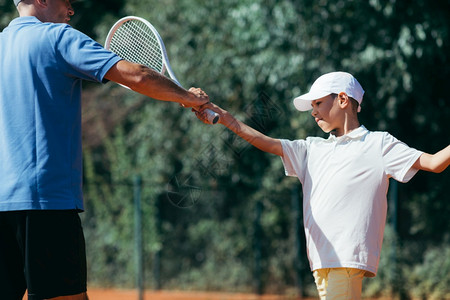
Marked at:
<point>202,115</point>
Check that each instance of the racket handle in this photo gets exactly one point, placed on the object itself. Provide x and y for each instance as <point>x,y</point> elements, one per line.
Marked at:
<point>212,116</point>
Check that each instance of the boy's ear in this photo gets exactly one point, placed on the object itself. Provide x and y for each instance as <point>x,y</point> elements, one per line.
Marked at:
<point>343,100</point>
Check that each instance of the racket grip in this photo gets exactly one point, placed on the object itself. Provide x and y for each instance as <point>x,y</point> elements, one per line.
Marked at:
<point>212,116</point>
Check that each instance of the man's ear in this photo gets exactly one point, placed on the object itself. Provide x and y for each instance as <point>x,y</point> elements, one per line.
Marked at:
<point>42,3</point>
<point>343,100</point>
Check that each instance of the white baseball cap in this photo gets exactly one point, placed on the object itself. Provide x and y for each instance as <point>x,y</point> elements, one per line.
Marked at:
<point>331,83</point>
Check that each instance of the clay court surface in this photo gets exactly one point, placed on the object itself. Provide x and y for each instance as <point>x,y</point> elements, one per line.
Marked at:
<point>104,294</point>
<point>117,294</point>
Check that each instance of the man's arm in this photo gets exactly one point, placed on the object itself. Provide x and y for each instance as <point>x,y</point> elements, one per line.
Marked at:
<point>254,137</point>
<point>436,163</point>
<point>145,81</point>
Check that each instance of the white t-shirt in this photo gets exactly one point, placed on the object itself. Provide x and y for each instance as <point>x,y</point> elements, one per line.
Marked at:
<point>345,182</point>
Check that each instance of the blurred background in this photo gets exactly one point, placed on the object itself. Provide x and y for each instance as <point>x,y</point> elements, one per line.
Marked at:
<point>183,205</point>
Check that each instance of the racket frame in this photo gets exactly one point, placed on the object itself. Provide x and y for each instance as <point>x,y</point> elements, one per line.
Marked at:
<point>165,58</point>
<point>213,117</point>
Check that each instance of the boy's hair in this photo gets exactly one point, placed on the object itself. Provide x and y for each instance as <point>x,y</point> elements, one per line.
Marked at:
<point>353,103</point>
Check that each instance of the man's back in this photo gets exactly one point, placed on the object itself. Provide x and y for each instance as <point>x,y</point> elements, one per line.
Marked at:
<point>42,66</point>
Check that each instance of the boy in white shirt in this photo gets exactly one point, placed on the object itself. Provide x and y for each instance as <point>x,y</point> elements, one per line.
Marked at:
<point>345,181</point>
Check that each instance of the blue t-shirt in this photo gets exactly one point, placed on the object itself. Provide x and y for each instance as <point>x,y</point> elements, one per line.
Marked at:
<point>42,66</point>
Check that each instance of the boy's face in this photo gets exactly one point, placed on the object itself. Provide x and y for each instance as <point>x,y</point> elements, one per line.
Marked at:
<point>326,113</point>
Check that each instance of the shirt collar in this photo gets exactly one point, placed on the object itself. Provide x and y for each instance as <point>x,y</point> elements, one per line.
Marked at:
<point>352,135</point>
<point>23,20</point>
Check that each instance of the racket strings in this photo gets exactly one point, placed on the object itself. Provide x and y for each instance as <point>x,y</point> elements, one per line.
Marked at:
<point>136,42</point>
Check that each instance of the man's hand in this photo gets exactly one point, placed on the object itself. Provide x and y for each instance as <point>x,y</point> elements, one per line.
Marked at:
<point>199,97</point>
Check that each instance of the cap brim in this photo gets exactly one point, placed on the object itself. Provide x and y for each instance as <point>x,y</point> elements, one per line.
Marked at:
<point>303,102</point>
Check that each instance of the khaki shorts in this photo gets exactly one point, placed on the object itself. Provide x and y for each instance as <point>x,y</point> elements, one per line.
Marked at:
<point>339,283</point>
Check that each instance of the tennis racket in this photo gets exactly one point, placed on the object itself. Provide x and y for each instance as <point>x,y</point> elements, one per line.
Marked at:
<point>136,40</point>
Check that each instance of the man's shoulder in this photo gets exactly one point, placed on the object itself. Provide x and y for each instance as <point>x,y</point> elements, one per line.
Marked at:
<point>33,21</point>
<point>34,30</point>
<point>58,29</point>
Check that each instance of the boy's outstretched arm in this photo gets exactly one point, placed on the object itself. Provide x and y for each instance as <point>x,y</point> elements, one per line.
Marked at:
<point>436,163</point>
<point>254,137</point>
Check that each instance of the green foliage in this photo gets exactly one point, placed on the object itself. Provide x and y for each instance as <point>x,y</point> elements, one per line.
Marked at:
<point>253,57</point>
<point>430,278</point>
<point>386,283</point>
<point>221,249</point>
<point>414,268</point>
<point>7,13</point>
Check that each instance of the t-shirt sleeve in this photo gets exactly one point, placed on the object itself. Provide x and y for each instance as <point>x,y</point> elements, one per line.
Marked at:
<point>83,57</point>
<point>294,158</point>
<point>398,158</point>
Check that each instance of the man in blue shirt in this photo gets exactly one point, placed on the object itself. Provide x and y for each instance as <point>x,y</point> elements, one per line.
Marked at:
<point>42,64</point>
